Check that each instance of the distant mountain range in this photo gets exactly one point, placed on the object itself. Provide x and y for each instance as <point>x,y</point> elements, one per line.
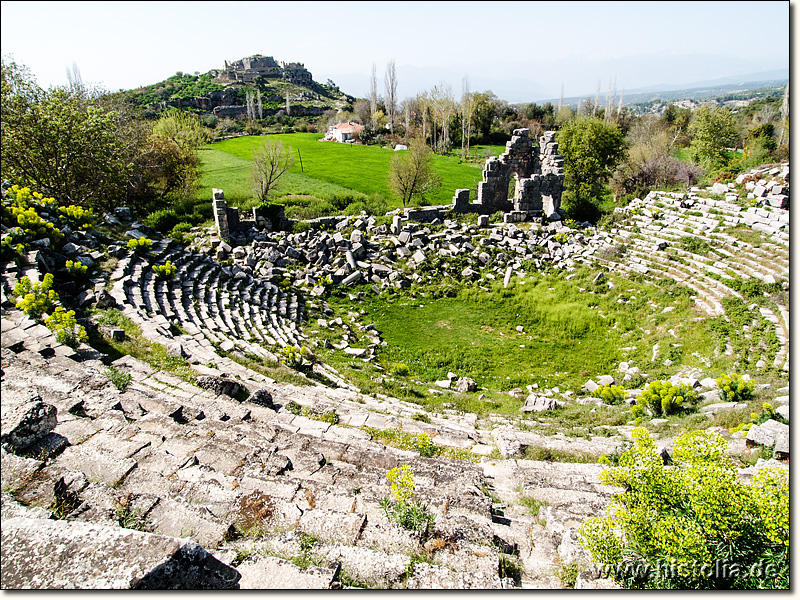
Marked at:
<point>696,90</point>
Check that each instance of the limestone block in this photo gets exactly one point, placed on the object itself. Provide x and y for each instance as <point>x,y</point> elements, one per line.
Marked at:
<point>49,554</point>
<point>427,577</point>
<point>535,403</point>
<point>24,419</point>
<point>377,570</point>
<point>262,397</point>
<point>766,433</point>
<point>781,445</point>
<point>719,188</point>
<point>465,384</point>
<point>333,527</point>
<point>218,385</point>
<point>15,469</point>
<point>272,573</point>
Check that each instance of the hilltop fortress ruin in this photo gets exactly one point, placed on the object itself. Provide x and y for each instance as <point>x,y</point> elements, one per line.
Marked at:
<point>250,68</point>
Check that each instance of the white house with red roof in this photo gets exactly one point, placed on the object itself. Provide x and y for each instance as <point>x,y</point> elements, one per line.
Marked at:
<point>343,132</point>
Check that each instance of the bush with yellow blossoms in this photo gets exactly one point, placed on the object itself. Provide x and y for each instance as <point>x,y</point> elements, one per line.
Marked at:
<point>694,524</point>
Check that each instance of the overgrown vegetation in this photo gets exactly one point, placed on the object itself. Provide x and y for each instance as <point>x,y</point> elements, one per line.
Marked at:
<point>694,525</point>
<point>404,511</point>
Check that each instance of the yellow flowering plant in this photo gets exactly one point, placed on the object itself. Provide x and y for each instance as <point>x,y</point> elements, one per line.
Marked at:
<point>694,524</point>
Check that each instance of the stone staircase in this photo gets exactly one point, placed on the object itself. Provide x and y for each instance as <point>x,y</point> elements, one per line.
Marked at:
<point>215,307</point>
<point>287,500</point>
<point>654,234</point>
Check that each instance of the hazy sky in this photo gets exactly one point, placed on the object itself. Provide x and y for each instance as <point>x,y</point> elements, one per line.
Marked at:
<point>523,51</point>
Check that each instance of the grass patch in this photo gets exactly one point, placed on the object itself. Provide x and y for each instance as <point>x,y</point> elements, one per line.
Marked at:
<point>745,234</point>
<point>337,174</point>
<point>532,504</point>
<point>137,346</point>
<point>553,455</point>
<point>572,329</point>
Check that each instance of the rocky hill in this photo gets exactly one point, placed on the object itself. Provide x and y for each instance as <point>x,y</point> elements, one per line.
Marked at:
<point>224,92</point>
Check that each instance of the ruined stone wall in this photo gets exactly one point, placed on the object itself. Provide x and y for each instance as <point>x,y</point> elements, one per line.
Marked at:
<point>521,158</point>
<point>538,174</point>
<point>220,213</point>
<point>552,168</point>
<point>248,69</point>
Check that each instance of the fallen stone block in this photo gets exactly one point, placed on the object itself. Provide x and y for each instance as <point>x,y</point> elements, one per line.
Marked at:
<point>590,386</point>
<point>218,385</point>
<point>536,403</point>
<point>15,469</point>
<point>48,554</point>
<point>465,385</point>
<point>781,451</point>
<point>24,419</point>
<point>766,434</point>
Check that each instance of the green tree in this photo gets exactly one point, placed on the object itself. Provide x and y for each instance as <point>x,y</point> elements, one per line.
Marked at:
<point>61,141</point>
<point>270,161</point>
<point>174,142</point>
<point>484,112</point>
<point>713,130</point>
<point>592,149</point>
<point>412,175</point>
<point>184,129</point>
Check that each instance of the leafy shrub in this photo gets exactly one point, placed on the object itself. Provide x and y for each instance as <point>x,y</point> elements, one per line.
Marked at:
<point>76,268</point>
<point>301,226</point>
<point>140,245</point>
<point>165,271</point>
<point>733,388</point>
<point>78,217</point>
<point>295,357</point>
<point>410,515</point>
<point>693,525</point>
<point>118,378</point>
<point>612,458</point>
<point>612,252</point>
<point>8,247</point>
<point>180,231</point>
<point>610,394</point>
<point>330,416</point>
<point>66,328</point>
<point>695,245</point>
<point>37,299</point>
<point>400,369</point>
<point>32,226</point>
<point>662,398</point>
<point>163,220</point>
<point>293,407</point>
<point>425,445</point>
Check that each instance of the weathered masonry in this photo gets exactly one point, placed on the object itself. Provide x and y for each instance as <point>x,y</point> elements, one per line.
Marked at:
<point>538,173</point>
